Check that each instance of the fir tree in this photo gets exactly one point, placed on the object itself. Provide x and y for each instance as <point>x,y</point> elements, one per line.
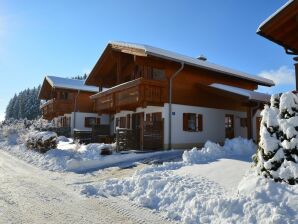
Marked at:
<point>277,155</point>
<point>24,105</point>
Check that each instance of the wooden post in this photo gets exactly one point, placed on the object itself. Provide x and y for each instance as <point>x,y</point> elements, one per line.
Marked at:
<point>249,122</point>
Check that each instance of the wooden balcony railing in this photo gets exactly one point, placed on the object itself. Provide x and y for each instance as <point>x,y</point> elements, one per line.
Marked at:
<point>55,107</point>
<point>130,95</point>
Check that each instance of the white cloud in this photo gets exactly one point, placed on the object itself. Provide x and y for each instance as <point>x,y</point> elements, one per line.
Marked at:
<point>280,76</point>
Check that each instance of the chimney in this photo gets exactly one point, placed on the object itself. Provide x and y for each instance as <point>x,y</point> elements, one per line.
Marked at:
<point>202,58</point>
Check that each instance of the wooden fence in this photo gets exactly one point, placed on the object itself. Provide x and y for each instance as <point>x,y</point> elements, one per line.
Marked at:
<point>152,138</point>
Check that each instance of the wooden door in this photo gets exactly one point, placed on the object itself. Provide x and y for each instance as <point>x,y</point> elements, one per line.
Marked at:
<point>258,126</point>
<point>138,127</point>
<point>229,126</point>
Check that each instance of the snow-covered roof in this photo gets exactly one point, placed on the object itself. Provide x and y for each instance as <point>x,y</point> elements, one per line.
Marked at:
<point>66,83</point>
<point>169,55</point>
<point>274,14</point>
<point>251,95</point>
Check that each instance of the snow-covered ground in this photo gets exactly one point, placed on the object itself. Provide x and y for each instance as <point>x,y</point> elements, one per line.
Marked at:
<point>30,195</point>
<point>217,187</point>
<point>215,184</point>
<point>72,156</point>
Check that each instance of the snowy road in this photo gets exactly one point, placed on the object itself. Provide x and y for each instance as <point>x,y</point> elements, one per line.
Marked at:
<point>31,195</point>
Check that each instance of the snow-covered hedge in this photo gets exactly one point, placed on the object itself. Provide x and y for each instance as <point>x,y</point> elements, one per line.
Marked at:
<point>277,155</point>
<point>211,150</point>
<point>42,141</point>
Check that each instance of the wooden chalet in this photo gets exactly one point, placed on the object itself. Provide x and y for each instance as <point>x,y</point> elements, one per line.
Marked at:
<point>64,96</point>
<point>168,100</point>
<point>68,105</point>
<point>282,28</point>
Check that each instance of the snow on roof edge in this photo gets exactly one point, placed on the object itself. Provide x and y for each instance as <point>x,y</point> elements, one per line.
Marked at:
<point>274,14</point>
<point>251,95</point>
<point>154,51</point>
<point>75,84</point>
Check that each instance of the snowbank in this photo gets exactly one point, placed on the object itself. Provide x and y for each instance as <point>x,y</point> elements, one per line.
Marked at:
<point>211,151</point>
<point>200,200</point>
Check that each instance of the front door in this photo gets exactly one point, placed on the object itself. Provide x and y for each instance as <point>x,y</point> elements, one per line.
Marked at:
<point>229,126</point>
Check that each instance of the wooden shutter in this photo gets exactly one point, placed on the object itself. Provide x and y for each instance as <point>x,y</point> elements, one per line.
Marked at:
<point>128,121</point>
<point>117,122</point>
<point>185,121</point>
<point>148,117</point>
<point>87,122</point>
<point>243,122</point>
<point>98,121</point>
<point>200,122</point>
<point>122,122</point>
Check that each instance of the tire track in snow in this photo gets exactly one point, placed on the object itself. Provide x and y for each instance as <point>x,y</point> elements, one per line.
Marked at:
<point>31,195</point>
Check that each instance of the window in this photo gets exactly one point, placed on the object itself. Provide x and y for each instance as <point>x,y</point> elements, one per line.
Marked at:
<point>122,122</point>
<point>243,122</point>
<point>192,122</point>
<point>156,116</point>
<point>128,121</point>
<point>64,96</point>
<point>158,74</point>
<point>229,121</point>
<point>91,121</point>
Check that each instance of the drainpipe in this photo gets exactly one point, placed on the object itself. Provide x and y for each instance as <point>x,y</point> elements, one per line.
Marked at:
<point>75,109</point>
<point>170,102</point>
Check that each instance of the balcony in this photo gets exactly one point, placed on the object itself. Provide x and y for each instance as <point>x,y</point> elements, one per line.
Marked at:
<point>131,95</point>
<point>55,107</point>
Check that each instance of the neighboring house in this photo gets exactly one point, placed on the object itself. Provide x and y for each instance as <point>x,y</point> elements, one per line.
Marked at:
<point>68,104</point>
<point>167,100</point>
<point>282,28</point>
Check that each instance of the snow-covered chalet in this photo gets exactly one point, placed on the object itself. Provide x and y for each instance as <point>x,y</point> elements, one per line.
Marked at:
<point>160,99</point>
<point>68,105</point>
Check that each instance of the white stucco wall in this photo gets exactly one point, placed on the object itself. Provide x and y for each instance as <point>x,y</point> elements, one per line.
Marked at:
<point>80,120</point>
<point>213,125</point>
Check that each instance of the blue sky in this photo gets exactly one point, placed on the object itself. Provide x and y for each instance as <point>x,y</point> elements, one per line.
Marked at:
<point>65,38</point>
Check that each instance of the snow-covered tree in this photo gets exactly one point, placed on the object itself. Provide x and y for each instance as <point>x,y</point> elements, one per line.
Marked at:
<point>24,105</point>
<point>277,155</point>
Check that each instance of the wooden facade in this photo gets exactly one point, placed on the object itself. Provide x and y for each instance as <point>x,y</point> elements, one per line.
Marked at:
<point>60,101</point>
<point>138,81</point>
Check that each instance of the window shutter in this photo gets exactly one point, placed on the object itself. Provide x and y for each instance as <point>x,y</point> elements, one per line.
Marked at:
<point>185,121</point>
<point>98,121</point>
<point>148,117</point>
<point>117,122</point>
<point>200,122</point>
<point>128,121</point>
